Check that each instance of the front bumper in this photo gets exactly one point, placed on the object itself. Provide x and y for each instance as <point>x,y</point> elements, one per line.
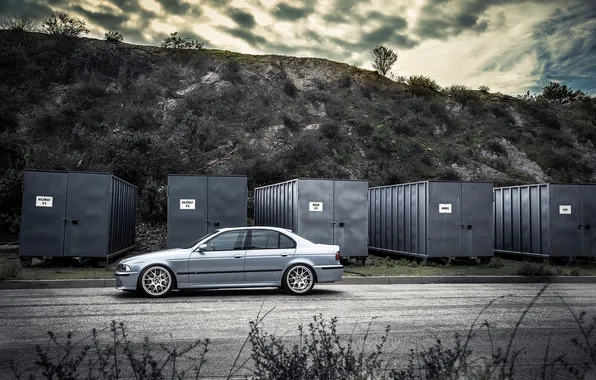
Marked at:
<point>126,280</point>
<point>329,273</point>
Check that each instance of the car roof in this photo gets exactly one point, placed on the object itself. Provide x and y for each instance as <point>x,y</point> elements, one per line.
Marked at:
<point>255,228</point>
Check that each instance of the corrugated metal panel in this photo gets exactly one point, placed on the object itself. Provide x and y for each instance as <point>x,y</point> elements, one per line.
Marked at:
<point>326,211</point>
<point>432,219</point>
<point>551,220</point>
<point>198,204</point>
<point>86,215</point>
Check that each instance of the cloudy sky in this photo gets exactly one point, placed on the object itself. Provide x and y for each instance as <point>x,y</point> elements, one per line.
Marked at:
<point>510,45</point>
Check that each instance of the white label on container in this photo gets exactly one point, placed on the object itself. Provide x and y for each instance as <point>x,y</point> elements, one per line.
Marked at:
<point>187,204</point>
<point>444,208</point>
<point>565,209</point>
<point>41,201</point>
<point>315,206</point>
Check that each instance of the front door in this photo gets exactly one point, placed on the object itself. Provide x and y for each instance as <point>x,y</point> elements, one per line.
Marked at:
<point>227,202</point>
<point>444,215</point>
<point>222,262</point>
<point>43,214</point>
<point>477,219</point>
<point>315,214</point>
<point>350,202</point>
<point>267,255</point>
<point>565,220</point>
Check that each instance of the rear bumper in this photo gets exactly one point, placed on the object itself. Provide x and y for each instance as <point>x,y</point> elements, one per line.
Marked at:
<point>126,280</point>
<point>329,273</point>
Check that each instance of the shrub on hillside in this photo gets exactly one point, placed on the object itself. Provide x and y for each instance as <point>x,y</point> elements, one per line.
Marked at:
<point>330,130</point>
<point>290,88</point>
<point>112,36</point>
<point>462,94</point>
<point>231,71</point>
<point>62,25</point>
<point>421,85</point>
<point>174,41</point>
<point>484,89</point>
<point>153,202</point>
<point>556,92</point>
<point>18,22</point>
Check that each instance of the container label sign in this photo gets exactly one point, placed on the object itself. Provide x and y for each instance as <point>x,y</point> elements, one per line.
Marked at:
<point>187,204</point>
<point>444,208</point>
<point>565,209</point>
<point>41,201</point>
<point>315,206</point>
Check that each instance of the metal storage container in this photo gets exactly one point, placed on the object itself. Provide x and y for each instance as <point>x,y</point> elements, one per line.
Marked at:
<point>432,219</point>
<point>77,214</point>
<point>199,204</point>
<point>546,220</point>
<point>325,211</point>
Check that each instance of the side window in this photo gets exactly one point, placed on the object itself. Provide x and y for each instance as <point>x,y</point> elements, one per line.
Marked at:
<point>263,239</point>
<point>228,241</point>
<point>285,242</point>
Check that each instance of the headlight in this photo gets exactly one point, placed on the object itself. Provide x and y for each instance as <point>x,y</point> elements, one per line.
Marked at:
<point>124,268</point>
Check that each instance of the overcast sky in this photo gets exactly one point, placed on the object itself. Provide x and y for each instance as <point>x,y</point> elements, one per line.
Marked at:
<point>509,45</point>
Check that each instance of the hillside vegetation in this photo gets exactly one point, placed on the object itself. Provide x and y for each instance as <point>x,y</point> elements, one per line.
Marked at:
<point>142,112</point>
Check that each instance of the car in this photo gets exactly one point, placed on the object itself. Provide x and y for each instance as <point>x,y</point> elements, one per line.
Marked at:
<point>234,258</point>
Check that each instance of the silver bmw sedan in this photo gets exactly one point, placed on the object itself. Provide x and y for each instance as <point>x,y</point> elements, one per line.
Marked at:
<point>234,258</point>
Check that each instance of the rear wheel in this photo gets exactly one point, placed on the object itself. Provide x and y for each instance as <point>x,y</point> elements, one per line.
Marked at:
<point>299,279</point>
<point>156,281</point>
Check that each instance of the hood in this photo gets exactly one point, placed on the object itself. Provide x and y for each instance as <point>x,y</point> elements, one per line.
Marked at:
<point>156,254</point>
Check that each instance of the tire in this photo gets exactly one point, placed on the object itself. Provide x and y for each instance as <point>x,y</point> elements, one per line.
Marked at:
<point>156,281</point>
<point>299,279</point>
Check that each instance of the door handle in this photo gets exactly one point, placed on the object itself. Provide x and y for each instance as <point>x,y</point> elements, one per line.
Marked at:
<point>238,256</point>
<point>75,221</point>
<point>284,254</point>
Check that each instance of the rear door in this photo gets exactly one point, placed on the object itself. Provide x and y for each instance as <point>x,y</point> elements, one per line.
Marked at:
<point>267,255</point>
<point>565,220</point>
<point>87,215</point>
<point>477,219</point>
<point>588,220</point>
<point>43,214</point>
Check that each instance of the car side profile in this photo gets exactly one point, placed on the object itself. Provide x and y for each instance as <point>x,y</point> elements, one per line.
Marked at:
<point>234,258</point>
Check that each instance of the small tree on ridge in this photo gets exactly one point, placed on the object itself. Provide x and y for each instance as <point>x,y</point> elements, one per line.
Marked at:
<point>383,59</point>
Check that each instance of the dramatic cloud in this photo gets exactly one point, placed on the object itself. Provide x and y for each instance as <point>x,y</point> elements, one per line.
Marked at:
<point>509,45</point>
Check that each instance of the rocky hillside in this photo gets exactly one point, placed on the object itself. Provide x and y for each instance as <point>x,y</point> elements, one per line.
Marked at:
<point>142,112</point>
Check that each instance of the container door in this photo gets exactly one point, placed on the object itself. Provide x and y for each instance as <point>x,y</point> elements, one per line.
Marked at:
<point>87,215</point>
<point>588,220</point>
<point>226,202</point>
<point>43,213</point>
<point>187,210</point>
<point>477,219</point>
<point>565,219</point>
<point>444,216</point>
<point>350,202</point>
<point>315,210</point>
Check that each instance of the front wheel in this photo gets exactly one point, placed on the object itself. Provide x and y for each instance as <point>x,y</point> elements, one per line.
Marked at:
<point>299,279</point>
<point>156,281</point>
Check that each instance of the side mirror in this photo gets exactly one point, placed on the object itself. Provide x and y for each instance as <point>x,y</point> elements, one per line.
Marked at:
<point>202,248</point>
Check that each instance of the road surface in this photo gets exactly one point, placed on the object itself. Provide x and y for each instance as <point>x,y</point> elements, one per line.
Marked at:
<point>417,315</point>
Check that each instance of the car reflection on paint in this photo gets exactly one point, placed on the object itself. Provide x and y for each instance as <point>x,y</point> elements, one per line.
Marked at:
<point>233,258</point>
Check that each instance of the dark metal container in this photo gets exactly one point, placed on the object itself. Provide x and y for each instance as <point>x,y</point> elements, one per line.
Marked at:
<point>199,204</point>
<point>432,219</point>
<point>77,214</point>
<point>325,211</point>
<point>546,220</point>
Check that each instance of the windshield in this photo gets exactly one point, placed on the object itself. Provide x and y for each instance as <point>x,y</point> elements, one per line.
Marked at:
<point>198,240</point>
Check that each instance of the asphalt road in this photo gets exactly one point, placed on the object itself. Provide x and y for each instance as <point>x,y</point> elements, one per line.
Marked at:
<point>417,315</point>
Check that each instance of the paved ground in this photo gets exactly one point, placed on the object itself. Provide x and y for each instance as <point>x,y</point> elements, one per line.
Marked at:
<point>416,313</point>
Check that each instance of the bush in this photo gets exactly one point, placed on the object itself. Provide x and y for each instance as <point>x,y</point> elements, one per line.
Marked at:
<point>496,263</point>
<point>19,22</point>
<point>345,81</point>
<point>462,94</point>
<point>330,130</point>
<point>62,25</point>
<point>528,268</point>
<point>290,88</point>
<point>9,269</point>
<point>421,85</point>
<point>231,71</point>
<point>111,36</point>
<point>153,203</point>
<point>484,89</point>
<point>174,41</point>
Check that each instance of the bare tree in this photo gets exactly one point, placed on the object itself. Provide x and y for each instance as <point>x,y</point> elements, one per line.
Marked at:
<point>383,59</point>
<point>20,22</point>
<point>63,26</point>
<point>112,36</point>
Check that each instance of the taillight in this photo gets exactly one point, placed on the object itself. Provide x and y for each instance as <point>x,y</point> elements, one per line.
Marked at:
<point>337,256</point>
